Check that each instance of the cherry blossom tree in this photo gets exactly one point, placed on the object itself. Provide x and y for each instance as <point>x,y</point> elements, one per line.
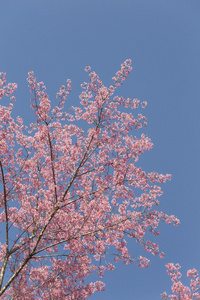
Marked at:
<point>71,199</point>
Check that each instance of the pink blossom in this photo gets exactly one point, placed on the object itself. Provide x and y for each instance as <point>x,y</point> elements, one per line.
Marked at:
<point>183,292</point>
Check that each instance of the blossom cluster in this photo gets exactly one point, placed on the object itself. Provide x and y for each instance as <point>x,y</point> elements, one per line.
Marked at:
<point>180,291</point>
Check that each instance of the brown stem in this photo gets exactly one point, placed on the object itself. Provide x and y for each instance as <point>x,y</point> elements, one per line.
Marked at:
<point>3,269</point>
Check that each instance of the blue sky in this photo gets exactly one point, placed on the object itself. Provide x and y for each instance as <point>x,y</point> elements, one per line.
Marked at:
<point>58,38</point>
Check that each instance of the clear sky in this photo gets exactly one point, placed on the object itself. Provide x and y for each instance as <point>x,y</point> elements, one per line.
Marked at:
<point>58,38</point>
